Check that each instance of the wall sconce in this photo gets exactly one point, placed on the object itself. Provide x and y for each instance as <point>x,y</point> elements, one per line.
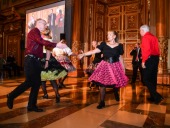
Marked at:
<point>0,35</point>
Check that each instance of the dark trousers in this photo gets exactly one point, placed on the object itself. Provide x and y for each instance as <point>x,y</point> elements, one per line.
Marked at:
<point>137,66</point>
<point>150,77</point>
<point>32,68</point>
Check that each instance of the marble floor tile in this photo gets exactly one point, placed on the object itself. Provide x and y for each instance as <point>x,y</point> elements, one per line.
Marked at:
<point>152,107</point>
<point>30,116</point>
<point>129,118</point>
<point>80,119</point>
<point>167,119</point>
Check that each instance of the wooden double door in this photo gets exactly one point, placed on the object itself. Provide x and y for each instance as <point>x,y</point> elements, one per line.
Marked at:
<point>12,45</point>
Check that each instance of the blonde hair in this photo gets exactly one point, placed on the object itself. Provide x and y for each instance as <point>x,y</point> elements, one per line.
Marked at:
<point>46,33</point>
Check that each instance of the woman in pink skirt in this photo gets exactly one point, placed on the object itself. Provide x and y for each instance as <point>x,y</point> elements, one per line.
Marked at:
<point>110,72</point>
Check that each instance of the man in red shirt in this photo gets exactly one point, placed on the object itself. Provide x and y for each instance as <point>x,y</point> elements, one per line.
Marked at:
<point>150,61</point>
<point>32,67</point>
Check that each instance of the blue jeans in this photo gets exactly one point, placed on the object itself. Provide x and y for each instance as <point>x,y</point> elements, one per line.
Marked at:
<point>32,68</point>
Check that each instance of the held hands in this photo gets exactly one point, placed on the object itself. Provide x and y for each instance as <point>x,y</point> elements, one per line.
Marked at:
<point>80,56</point>
<point>81,51</point>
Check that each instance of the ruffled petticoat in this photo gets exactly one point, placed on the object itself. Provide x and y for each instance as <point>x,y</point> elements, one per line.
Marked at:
<point>54,71</point>
<point>109,74</point>
<point>52,75</point>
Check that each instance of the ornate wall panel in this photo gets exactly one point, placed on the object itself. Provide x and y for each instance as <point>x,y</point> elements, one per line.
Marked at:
<point>13,46</point>
<point>131,35</point>
<point>100,8</point>
<point>114,10</point>
<point>13,32</point>
<point>99,35</point>
<point>131,21</point>
<point>114,23</point>
<point>76,46</point>
<point>99,21</point>
<point>131,7</point>
<point>123,17</point>
<point>12,26</point>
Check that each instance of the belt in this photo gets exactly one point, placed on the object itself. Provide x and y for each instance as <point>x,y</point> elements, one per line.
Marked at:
<point>110,59</point>
<point>32,56</point>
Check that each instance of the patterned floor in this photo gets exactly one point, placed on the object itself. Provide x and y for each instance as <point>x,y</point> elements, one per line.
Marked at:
<point>77,108</point>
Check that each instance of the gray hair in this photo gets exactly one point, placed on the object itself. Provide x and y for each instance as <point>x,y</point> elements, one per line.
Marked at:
<point>145,28</point>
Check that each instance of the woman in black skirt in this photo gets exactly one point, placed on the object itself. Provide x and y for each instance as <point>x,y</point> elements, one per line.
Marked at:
<point>110,72</point>
<point>52,70</point>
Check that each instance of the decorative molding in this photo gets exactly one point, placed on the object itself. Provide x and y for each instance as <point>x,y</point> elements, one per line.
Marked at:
<point>131,21</point>
<point>99,34</point>
<point>114,23</point>
<point>76,46</point>
<point>100,8</point>
<point>163,43</point>
<point>149,4</point>
<point>113,10</point>
<point>131,7</point>
<point>12,43</point>
<point>131,36</point>
<point>12,26</point>
<point>99,21</point>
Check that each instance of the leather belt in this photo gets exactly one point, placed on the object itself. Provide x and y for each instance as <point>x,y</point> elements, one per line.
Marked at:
<point>32,56</point>
<point>110,59</point>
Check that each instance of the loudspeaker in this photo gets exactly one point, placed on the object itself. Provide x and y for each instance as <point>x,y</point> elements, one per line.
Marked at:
<point>62,36</point>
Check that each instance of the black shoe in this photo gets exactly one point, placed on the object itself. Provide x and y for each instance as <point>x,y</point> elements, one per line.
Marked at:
<point>117,98</point>
<point>58,99</point>
<point>159,101</point>
<point>116,94</point>
<point>132,82</point>
<point>91,85</point>
<point>35,109</point>
<point>45,96</point>
<point>101,105</point>
<point>150,99</point>
<point>61,85</point>
<point>9,102</point>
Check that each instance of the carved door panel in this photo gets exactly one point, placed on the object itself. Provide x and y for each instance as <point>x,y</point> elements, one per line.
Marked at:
<point>13,47</point>
<point>125,19</point>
